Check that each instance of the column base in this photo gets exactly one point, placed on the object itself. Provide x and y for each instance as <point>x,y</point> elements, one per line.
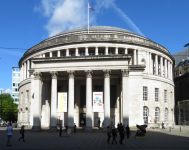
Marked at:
<point>88,129</point>
<point>53,129</point>
<point>36,129</point>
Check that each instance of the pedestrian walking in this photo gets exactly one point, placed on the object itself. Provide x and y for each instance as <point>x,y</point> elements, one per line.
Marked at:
<point>74,128</point>
<point>114,134</point>
<point>99,123</point>
<point>22,131</point>
<point>121,132</point>
<point>128,131</point>
<point>9,131</point>
<point>108,134</point>
<point>60,130</point>
<point>162,125</point>
<point>82,123</point>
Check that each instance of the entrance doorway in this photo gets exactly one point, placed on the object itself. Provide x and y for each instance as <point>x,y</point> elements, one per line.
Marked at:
<point>96,121</point>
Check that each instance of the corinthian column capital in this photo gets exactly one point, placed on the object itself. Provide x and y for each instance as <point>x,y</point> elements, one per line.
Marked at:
<point>125,72</point>
<point>54,74</point>
<point>71,74</point>
<point>37,75</point>
<point>89,73</point>
<point>107,73</point>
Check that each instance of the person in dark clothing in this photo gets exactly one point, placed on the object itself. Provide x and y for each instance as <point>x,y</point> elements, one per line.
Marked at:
<point>108,134</point>
<point>121,132</point>
<point>127,131</point>
<point>74,128</point>
<point>99,123</point>
<point>66,129</point>
<point>114,134</point>
<point>22,131</point>
<point>60,130</point>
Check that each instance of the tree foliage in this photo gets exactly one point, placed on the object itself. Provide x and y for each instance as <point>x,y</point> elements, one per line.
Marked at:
<point>9,109</point>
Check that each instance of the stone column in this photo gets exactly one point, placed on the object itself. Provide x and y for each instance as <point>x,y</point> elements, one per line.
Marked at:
<point>150,63</point>
<point>25,72</point>
<point>126,52</point>
<point>156,64</point>
<point>28,68</point>
<point>165,68</point>
<point>71,99</point>
<point>58,54</point>
<point>67,52</point>
<point>116,50</point>
<point>171,68</point>
<point>76,51</point>
<point>37,102</point>
<point>161,66</point>
<point>106,51</point>
<point>50,54</point>
<point>106,98</point>
<point>22,71</point>
<point>88,101</point>
<point>20,74</point>
<point>134,56</point>
<point>54,76</point>
<point>32,98</point>
<point>125,98</point>
<point>86,51</point>
<point>96,50</point>
<point>31,64</point>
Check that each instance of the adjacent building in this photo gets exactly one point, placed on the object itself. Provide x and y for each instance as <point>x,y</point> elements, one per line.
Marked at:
<point>15,83</point>
<point>111,74</point>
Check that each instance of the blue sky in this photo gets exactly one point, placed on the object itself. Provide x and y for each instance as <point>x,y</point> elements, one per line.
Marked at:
<point>24,23</point>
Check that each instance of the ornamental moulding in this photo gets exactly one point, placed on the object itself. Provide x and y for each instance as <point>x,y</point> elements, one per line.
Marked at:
<point>54,74</point>
<point>71,74</point>
<point>107,73</point>
<point>125,72</point>
<point>37,75</point>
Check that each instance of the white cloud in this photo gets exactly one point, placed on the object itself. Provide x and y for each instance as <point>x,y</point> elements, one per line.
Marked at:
<point>9,91</point>
<point>64,14</point>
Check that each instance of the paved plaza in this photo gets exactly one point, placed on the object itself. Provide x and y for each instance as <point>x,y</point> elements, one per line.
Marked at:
<point>156,139</point>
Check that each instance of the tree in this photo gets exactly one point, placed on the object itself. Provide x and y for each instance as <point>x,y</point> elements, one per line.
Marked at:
<point>9,108</point>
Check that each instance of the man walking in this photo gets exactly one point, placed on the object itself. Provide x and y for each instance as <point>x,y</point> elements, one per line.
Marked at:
<point>121,132</point>
<point>99,123</point>
<point>22,131</point>
<point>128,131</point>
<point>60,130</point>
<point>9,131</point>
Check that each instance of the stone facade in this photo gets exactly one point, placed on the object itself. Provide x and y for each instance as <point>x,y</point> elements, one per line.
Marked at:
<point>116,65</point>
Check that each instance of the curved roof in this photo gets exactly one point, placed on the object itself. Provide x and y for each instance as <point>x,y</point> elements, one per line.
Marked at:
<point>183,63</point>
<point>94,28</point>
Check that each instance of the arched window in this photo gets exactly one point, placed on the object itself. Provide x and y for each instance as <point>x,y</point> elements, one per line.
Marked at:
<point>181,115</point>
<point>165,115</point>
<point>157,114</point>
<point>145,114</point>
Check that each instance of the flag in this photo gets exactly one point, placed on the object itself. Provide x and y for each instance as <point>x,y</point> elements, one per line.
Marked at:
<point>91,8</point>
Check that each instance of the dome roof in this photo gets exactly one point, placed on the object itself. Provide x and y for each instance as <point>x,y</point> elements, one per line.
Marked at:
<point>94,28</point>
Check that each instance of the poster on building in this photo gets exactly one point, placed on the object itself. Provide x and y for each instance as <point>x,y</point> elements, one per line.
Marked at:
<point>62,101</point>
<point>97,101</point>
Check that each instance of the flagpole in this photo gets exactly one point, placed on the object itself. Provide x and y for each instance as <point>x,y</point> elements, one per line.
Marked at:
<point>88,17</point>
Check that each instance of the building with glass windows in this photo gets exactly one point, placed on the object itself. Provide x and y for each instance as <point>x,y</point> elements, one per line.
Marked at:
<point>111,74</point>
<point>15,83</point>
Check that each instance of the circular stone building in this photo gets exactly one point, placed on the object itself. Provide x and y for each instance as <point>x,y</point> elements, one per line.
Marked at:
<point>110,75</point>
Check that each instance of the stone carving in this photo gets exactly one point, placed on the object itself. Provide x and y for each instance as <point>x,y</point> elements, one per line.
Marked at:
<point>107,73</point>
<point>37,75</point>
<point>89,73</point>
<point>54,74</point>
<point>71,74</point>
<point>125,72</point>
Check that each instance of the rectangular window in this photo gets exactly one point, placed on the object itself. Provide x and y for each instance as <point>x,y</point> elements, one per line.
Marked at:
<point>101,52</point>
<point>82,52</point>
<point>13,84</point>
<point>156,95</point>
<point>27,96</point>
<point>120,52</point>
<point>110,52</point>
<point>91,52</point>
<point>165,96</point>
<point>72,53</point>
<point>13,74</point>
<point>145,94</point>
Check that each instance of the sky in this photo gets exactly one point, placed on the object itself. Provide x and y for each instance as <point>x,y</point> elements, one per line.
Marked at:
<point>25,23</point>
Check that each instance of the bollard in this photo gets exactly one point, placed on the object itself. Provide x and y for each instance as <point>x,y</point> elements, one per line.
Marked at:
<point>169,129</point>
<point>180,129</point>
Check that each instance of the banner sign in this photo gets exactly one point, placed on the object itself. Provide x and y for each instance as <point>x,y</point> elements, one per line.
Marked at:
<point>149,119</point>
<point>62,101</point>
<point>97,101</point>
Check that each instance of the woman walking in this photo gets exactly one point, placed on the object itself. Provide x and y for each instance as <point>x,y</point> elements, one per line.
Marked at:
<point>108,134</point>
<point>114,134</point>
<point>22,133</point>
